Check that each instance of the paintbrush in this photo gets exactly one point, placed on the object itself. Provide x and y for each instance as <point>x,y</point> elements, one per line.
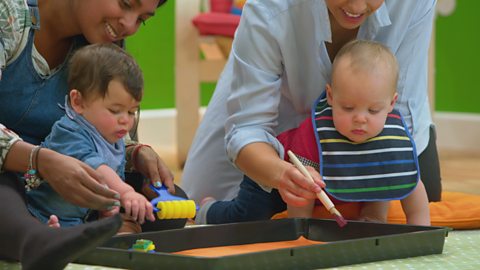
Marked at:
<point>322,196</point>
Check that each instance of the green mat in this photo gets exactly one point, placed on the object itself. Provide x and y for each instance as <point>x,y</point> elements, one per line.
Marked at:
<point>461,251</point>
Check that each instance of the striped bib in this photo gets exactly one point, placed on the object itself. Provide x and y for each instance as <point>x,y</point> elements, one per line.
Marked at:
<point>383,168</point>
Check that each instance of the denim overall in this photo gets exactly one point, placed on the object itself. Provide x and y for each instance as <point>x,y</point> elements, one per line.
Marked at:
<point>29,101</point>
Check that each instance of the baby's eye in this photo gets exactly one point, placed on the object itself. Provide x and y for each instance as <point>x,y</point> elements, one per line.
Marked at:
<point>126,4</point>
<point>347,109</point>
<point>372,111</point>
<point>114,111</point>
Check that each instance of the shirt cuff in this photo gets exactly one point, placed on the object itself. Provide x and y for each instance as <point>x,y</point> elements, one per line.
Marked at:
<point>238,139</point>
<point>7,139</point>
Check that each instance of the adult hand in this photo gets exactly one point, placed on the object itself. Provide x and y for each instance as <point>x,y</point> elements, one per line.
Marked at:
<point>109,213</point>
<point>150,165</point>
<point>262,164</point>
<point>75,181</point>
<point>295,188</point>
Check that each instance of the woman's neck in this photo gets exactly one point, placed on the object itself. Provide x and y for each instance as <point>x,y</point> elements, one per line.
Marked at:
<point>340,36</point>
<point>57,29</point>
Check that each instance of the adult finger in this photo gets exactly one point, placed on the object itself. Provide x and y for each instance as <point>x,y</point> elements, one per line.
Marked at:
<point>80,195</point>
<point>166,175</point>
<point>317,178</point>
<point>304,182</point>
<point>293,199</point>
<point>299,185</point>
<point>96,183</point>
<point>108,213</point>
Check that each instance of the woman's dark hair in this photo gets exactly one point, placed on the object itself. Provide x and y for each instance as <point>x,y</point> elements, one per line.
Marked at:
<point>161,2</point>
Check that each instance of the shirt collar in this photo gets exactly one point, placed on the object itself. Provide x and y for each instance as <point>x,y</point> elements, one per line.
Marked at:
<point>321,18</point>
<point>79,119</point>
<point>373,23</point>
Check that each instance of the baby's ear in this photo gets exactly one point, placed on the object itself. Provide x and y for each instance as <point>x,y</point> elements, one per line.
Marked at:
<point>394,100</point>
<point>328,88</point>
<point>76,100</point>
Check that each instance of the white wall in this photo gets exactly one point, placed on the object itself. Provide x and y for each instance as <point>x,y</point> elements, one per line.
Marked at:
<point>458,131</point>
<point>455,131</point>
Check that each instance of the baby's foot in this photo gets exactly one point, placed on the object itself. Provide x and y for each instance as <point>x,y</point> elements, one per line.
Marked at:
<point>206,200</point>
<point>53,222</point>
<point>205,203</point>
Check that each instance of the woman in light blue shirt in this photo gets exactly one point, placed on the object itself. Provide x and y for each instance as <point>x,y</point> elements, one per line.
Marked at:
<point>280,62</point>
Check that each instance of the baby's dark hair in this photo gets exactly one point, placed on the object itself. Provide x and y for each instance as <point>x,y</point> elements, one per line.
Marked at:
<point>94,66</point>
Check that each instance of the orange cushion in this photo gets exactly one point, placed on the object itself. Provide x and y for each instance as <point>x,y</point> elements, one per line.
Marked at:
<point>457,210</point>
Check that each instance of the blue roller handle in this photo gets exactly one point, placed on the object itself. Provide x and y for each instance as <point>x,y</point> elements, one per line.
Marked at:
<point>163,195</point>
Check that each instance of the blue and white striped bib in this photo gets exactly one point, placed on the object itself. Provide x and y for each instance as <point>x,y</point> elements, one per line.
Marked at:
<point>383,168</point>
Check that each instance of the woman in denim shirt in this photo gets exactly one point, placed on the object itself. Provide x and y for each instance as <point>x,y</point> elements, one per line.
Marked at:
<point>36,41</point>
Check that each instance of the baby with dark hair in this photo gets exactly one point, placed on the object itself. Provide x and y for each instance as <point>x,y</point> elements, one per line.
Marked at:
<point>106,89</point>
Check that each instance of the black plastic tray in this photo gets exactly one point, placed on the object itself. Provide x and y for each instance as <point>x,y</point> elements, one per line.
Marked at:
<point>357,242</point>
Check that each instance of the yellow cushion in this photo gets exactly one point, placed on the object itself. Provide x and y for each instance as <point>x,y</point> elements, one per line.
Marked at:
<point>457,210</point>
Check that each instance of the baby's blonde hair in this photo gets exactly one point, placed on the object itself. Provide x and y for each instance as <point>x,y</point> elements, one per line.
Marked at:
<point>368,55</point>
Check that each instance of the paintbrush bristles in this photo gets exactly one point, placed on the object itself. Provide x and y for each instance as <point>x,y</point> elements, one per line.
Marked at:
<point>340,220</point>
<point>338,217</point>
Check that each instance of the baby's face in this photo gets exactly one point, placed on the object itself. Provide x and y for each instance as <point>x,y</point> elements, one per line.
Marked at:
<point>113,115</point>
<point>360,103</point>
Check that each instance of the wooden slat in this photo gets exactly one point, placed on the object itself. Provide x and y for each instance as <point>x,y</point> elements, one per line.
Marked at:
<point>187,93</point>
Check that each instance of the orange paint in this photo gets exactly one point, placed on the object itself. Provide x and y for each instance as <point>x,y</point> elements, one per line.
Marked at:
<point>248,248</point>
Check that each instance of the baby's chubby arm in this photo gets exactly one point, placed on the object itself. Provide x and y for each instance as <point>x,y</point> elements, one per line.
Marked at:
<point>416,208</point>
<point>135,204</point>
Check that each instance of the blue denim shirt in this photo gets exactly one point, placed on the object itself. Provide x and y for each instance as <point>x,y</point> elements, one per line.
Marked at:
<point>74,136</point>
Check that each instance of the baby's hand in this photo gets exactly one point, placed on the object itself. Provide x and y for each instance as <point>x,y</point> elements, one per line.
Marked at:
<point>137,206</point>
